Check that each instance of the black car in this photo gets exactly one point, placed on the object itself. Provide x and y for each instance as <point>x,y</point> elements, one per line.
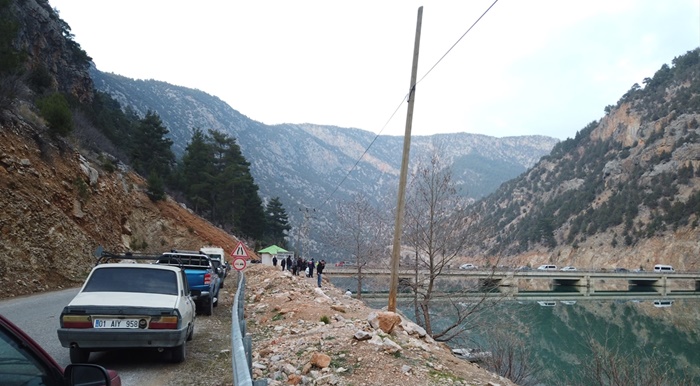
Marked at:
<point>621,270</point>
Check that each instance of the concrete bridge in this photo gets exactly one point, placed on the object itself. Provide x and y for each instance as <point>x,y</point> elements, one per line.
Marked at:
<point>585,280</point>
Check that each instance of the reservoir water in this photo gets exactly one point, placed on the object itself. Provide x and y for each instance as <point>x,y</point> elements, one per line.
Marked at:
<point>625,338</point>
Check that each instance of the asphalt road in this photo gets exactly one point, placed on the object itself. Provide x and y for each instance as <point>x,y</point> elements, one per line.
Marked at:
<point>38,316</point>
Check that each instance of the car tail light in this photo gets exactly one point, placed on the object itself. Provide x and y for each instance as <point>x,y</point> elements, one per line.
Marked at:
<point>164,323</point>
<point>207,278</point>
<point>76,321</point>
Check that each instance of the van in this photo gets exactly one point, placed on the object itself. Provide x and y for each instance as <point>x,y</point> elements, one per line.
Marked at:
<point>663,268</point>
<point>218,260</point>
<point>547,268</point>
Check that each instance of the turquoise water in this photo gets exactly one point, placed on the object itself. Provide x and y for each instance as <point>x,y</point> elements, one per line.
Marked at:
<point>563,342</point>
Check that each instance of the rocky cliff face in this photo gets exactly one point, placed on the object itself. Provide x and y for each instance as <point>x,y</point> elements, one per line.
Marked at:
<point>57,206</point>
<point>42,37</point>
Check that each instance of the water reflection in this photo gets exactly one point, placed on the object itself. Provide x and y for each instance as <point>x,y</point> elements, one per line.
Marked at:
<point>564,333</point>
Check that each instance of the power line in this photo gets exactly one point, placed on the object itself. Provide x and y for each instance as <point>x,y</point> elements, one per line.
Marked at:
<point>458,40</point>
<point>405,98</point>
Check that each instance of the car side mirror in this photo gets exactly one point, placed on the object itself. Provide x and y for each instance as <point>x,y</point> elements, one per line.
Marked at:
<point>86,374</point>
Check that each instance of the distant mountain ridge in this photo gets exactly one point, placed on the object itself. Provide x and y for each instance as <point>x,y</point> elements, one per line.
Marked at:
<point>624,192</point>
<point>304,163</point>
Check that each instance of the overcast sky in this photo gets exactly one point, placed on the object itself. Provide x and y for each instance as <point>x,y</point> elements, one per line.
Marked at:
<point>544,67</point>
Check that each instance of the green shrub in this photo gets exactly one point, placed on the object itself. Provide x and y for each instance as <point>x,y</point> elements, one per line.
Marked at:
<point>55,110</point>
<point>156,189</point>
<point>325,319</point>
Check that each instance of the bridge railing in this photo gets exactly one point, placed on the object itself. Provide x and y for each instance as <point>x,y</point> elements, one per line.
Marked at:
<point>241,344</point>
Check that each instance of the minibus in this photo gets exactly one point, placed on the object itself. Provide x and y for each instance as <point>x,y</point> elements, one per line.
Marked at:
<point>663,268</point>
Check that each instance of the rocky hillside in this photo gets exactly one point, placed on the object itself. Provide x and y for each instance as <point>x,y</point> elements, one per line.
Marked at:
<point>303,164</point>
<point>57,206</point>
<point>624,192</point>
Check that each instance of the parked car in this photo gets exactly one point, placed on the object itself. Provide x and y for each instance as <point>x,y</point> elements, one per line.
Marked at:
<point>568,268</point>
<point>201,276</point>
<point>468,266</point>
<point>547,268</point>
<point>129,305</point>
<point>24,362</point>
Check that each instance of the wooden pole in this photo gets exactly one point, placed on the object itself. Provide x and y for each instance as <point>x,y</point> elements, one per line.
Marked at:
<point>398,225</point>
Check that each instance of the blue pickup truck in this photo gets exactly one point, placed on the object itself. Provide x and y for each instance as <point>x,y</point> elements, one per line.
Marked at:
<point>202,277</point>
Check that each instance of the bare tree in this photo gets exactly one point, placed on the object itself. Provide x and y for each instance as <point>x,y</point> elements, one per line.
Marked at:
<point>437,233</point>
<point>362,232</point>
<point>510,356</point>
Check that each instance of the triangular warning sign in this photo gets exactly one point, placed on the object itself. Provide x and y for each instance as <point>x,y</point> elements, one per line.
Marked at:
<point>240,251</point>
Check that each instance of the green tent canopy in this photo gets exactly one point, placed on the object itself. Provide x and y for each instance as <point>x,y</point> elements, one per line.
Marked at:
<point>273,250</point>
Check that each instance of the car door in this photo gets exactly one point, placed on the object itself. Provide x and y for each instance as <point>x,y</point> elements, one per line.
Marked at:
<point>188,308</point>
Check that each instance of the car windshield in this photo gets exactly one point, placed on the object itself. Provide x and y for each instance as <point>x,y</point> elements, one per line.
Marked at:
<point>128,279</point>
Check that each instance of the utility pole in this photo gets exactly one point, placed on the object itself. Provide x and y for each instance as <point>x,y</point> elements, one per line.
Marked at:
<point>398,225</point>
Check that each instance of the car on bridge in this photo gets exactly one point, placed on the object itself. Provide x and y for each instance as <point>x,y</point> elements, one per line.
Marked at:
<point>547,267</point>
<point>468,266</point>
<point>568,268</point>
<point>621,270</point>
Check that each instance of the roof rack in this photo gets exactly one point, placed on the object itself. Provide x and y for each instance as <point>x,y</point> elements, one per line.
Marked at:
<point>104,256</point>
<point>185,251</point>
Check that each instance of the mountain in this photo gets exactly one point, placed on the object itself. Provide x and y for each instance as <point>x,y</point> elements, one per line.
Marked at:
<point>58,202</point>
<point>624,192</point>
<point>307,165</point>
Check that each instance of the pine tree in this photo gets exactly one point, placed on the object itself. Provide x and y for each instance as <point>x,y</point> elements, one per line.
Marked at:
<point>151,150</point>
<point>197,172</point>
<point>276,222</point>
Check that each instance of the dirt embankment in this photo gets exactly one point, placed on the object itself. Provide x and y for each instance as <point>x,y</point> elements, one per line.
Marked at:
<point>303,334</point>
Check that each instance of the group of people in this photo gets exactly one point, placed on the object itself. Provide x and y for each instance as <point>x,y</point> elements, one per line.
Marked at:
<point>296,265</point>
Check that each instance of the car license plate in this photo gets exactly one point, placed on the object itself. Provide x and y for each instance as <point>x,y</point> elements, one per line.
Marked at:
<point>115,323</point>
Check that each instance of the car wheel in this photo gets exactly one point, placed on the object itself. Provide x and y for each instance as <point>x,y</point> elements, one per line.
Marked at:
<point>208,307</point>
<point>177,354</point>
<point>79,355</point>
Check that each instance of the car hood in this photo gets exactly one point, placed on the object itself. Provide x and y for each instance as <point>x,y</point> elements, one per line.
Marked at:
<point>133,299</point>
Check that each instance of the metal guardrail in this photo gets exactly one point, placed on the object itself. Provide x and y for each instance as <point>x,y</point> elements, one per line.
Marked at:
<point>241,345</point>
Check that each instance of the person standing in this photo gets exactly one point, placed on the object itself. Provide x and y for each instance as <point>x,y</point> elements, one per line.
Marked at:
<point>311,268</point>
<point>274,261</point>
<point>319,271</point>
<point>283,263</point>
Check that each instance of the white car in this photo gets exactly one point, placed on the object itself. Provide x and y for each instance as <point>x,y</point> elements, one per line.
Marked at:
<point>569,268</point>
<point>547,268</point>
<point>128,305</point>
<point>468,266</point>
